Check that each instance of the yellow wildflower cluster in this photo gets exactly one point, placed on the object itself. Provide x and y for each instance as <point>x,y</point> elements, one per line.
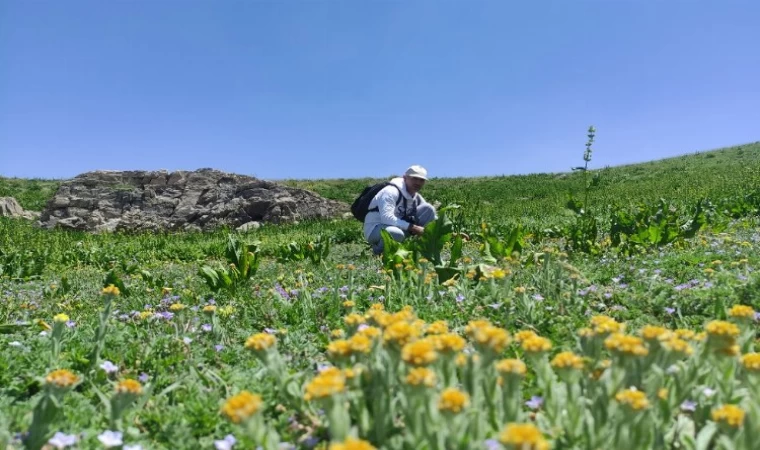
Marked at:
<point>453,400</point>
<point>176,307</point>
<point>421,376</point>
<point>61,318</point>
<point>352,444</point>
<point>354,320</point>
<point>741,312</point>
<point>626,345</point>
<point>260,341</point>
<point>61,378</point>
<point>536,344</point>
<point>567,360</point>
<point>488,337</point>
<point>730,415</point>
<point>401,333</point>
<point>419,353</point>
<point>329,382</point>
<point>511,366</point>
<point>654,333</point>
<point>604,325</point>
<point>523,436</point>
<point>110,290</point>
<point>751,362</point>
<point>523,335</point>
<point>209,309</point>
<point>677,346</point>
<point>437,327</point>
<point>448,343</point>
<point>129,386</point>
<point>636,400</point>
<point>240,407</point>
<point>722,336</point>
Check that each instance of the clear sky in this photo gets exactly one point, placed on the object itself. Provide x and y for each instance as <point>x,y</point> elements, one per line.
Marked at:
<point>351,88</point>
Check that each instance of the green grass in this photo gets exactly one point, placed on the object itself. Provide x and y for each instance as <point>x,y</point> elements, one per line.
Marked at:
<point>550,288</point>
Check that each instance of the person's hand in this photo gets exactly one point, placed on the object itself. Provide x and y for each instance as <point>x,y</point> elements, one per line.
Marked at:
<point>416,230</point>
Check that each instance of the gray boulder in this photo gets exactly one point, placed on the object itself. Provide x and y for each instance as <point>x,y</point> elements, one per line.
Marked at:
<point>9,207</point>
<point>183,200</point>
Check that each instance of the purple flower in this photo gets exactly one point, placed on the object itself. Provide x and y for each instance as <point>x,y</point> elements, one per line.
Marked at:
<point>62,440</point>
<point>71,324</point>
<point>218,347</point>
<point>669,310</point>
<point>535,402</point>
<point>226,443</point>
<point>689,405</point>
<point>109,367</point>
<point>492,444</point>
<point>460,298</point>
<point>111,438</point>
<point>538,297</point>
<point>343,289</point>
<point>206,327</point>
<point>143,377</point>
<point>270,330</point>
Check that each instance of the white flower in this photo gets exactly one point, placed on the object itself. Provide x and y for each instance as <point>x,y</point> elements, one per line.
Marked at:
<point>187,340</point>
<point>709,392</point>
<point>109,367</point>
<point>226,443</point>
<point>15,344</point>
<point>62,440</point>
<point>110,438</point>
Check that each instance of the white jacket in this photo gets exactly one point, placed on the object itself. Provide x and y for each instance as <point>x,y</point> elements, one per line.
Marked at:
<point>389,213</point>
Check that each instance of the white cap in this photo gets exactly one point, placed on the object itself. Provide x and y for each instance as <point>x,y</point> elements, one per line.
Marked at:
<point>416,172</point>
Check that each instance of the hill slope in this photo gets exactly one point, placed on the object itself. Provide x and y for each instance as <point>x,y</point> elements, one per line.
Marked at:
<point>715,174</point>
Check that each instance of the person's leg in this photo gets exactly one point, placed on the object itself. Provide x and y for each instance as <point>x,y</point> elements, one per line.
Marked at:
<point>425,214</point>
<point>376,239</point>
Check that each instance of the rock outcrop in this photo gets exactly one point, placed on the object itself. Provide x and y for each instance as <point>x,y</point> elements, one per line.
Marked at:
<point>181,200</point>
<point>9,207</point>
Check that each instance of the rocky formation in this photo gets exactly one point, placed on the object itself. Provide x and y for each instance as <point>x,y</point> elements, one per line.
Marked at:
<point>9,207</point>
<point>181,200</point>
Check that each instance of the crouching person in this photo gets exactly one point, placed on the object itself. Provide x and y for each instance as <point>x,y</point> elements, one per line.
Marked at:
<point>399,209</point>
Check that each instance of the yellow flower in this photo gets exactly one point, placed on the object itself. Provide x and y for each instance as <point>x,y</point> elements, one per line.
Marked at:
<point>586,332</point>
<point>453,400</point>
<point>448,343</point>
<point>536,344</point>
<point>626,345</point>
<point>519,290</point>
<point>143,315</point>
<point>751,361</point>
<point>177,307</point>
<point>62,378</point>
<point>419,353</point>
<point>511,366</point>
<point>337,333</point>
<point>360,343</point>
<point>606,325</point>
<point>349,304</point>
<point>329,382</point>
<point>498,274</point>
<point>209,309</point>
<point>731,415</point>
<point>110,290</point>
<point>401,333</point>
<point>523,335</point>
<point>61,318</point>
<point>438,327</point>
<point>129,387</point>
<point>685,334</point>
<point>166,291</point>
<point>722,334</point>
<point>353,320</point>
<point>491,338</point>
<point>421,376</point>
<point>339,348</point>
<point>474,325</point>
<point>742,312</point>
<point>677,345</point>
<point>653,333</point>
<point>352,444</point>
<point>241,406</point>
<point>567,360</point>
<point>662,394</point>
<point>636,400</point>
<point>260,341</point>
<point>523,436</point>
<point>369,332</point>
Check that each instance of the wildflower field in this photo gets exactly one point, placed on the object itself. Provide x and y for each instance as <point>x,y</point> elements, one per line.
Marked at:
<point>622,316</point>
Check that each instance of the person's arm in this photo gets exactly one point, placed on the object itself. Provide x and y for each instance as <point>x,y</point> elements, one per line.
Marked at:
<point>386,205</point>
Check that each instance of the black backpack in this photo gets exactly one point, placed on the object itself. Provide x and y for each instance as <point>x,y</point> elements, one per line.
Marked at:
<point>360,206</point>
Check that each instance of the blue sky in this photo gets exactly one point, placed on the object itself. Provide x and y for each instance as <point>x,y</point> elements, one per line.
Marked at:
<point>354,88</point>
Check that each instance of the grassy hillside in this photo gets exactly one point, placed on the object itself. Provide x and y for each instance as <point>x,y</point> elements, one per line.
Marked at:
<point>532,198</point>
<point>638,332</point>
